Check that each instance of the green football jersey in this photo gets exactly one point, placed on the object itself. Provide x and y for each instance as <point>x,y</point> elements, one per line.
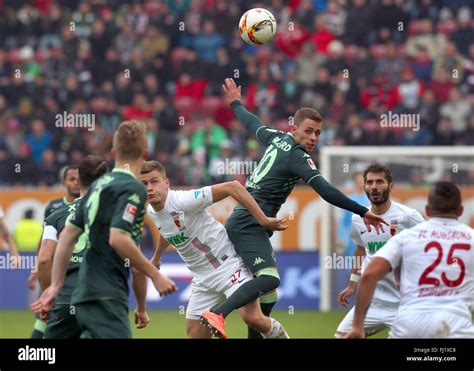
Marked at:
<point>57,220</point>
<point>116,200</point>
<point>55,204</point>
<point>284,162</point>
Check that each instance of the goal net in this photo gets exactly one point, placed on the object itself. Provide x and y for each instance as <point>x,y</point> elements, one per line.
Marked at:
<point>414,170</point>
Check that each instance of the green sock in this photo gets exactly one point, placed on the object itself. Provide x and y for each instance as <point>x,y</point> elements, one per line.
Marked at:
<point>38,331</point>
<point>247,293</point>
<point>266,310</point>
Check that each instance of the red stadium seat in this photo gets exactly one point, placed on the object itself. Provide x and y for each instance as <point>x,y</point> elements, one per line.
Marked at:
<point>446,27</point>
<point>414,27</point>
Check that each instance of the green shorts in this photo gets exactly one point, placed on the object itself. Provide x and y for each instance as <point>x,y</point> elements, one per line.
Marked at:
<point>62,323</point>
<point>251,241</point>
<point>103,319</point>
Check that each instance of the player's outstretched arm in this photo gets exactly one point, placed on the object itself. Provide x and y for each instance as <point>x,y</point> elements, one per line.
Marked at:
<point>139,285</point>
<point>300,164</point>
<point>250,121</point>
<point>123,244</point>
<point>376,270</point>
<point>359,253</point>
<point>63,254</point>
<point>240,194</point>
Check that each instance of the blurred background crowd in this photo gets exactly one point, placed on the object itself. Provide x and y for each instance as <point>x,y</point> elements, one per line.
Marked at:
<point>164,61</point>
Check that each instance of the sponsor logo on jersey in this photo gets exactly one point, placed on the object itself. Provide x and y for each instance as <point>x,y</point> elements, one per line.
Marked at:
<point>199,192</point>
<point>71,208</point>
<point>178,218</point>
<point>311,163</point>
<point>375,246</point>
<point>76,259</point>
<point>177,239</point>
<point>258,260</point>
<point>129,213</point>
<point>134,198</point>
<point>394,227</point>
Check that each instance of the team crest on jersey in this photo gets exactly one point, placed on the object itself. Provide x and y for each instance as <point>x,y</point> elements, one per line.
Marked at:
<point>178,219</point>
<point>311,163</point>
<point>394,227</point>
<point>129,213</point>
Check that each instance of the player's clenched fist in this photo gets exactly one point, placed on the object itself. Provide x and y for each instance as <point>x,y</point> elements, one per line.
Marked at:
<point>163,284</point>
<point>141,318</point>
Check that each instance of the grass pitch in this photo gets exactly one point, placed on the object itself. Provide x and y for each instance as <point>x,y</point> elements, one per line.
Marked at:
<point>170,324</point>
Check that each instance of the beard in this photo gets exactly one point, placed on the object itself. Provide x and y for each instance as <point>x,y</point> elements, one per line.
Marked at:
<point>382,198</point>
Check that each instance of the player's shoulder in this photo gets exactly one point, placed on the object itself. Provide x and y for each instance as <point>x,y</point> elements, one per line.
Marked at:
<point>122,182</point>
<point>404,208</point>
<point>57,214</point>
<point>55,203</point>
<point>185,195</point>
<point>357,219</point>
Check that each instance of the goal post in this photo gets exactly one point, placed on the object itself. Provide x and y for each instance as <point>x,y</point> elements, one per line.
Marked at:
<point>413,168</point>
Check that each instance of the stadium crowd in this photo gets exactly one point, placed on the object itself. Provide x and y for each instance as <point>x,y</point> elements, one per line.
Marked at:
<point>164,61</point>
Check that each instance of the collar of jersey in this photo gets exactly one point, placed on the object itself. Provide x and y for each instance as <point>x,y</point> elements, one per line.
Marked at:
<point>66,201</point>
<point>120,170</point>
<point>443,220</point>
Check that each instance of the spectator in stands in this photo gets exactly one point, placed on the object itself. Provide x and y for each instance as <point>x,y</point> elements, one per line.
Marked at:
<point>410,91</point>
<point>390,21</point>
<point>441,85</point>
<point>428,111</point>
<point>140,109</point>
<point>422,64</point>
<point>114,51</point>
<point>457,110</point>
<point>450,60</point>
<point>28,232</point>
<point>321,36</point>
<point>433,43</point>
<point>359,22</point>
<point>208,41</point>
<point>39,140</point>
<point>48,170</point>
<point>308,64</point>
<point>444,136</point>
<point>205,144</point>
<point>462,36</point>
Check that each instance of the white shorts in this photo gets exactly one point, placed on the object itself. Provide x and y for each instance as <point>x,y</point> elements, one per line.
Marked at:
<point>379,317</point>
<point>442,324</point>
<point>208,292</point>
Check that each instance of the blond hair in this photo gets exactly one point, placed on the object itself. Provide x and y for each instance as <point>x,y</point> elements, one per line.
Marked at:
<point>130,140</point>
<point>149,166</point>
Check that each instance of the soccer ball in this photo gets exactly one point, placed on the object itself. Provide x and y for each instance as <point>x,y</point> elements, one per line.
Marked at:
<point>257,26</point>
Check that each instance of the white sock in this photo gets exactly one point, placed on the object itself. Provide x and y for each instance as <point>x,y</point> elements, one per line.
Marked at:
<point>275,328</point>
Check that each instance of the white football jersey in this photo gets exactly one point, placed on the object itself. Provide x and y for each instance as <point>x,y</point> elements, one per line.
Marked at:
<point>399,217</point>
<point>437,266</point>
<point>201,241</point>
<point>2,215</point>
